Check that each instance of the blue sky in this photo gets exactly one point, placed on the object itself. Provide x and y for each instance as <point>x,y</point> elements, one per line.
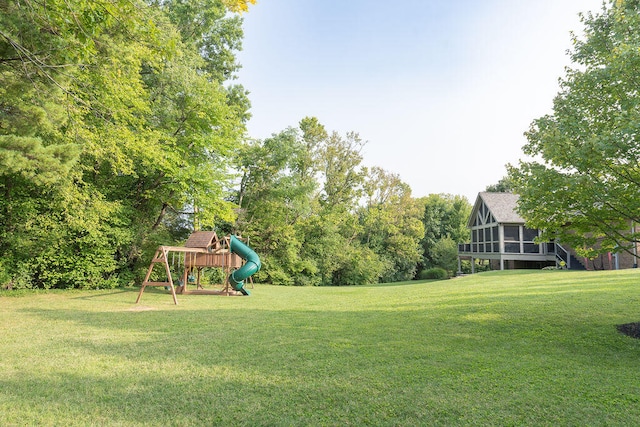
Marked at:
<point>442,91</point>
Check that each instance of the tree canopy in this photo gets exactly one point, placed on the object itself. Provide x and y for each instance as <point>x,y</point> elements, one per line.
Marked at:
<point>445,221</point>
<point>112,115</point>
<point>318,217</point>
<point>121,129</point>
<point>583,185</point>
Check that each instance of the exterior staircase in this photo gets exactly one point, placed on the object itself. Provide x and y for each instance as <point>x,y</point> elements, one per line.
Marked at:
<point>571,262</point>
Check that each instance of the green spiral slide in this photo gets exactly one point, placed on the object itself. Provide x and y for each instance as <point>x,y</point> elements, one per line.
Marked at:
<point>251,266</point>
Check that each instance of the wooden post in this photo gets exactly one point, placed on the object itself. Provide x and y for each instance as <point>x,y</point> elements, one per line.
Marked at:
<point>168,270</point>
<point>160,256</point>
<point>185,273</point>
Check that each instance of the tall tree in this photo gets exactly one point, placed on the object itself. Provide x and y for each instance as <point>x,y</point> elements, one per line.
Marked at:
<point>504,185</point>
<point>275,195</point>
<point>445,216</point>
<point>340,161</point>
<point>336,247</point>
<point>584,190</point>
<point>299,195</point>
<point>129,102</point>
<point>392,224</point>
<point>61,232</point>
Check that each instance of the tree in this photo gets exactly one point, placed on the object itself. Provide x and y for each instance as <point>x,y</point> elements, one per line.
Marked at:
<point>445,216</point>
<point>444,254</point>
<point>238,5</point>
<point>300,194</point>
<point>584,189</point>
<point>340,161</point>
<point>275,195</point>
<point>331,237</point>
<point>504,185</point>
<point>111,115</point>
<point>392,224</point>
<point>57,230</point>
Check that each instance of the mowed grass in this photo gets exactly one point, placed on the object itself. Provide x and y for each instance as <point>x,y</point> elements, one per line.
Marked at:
<point>500,348</point>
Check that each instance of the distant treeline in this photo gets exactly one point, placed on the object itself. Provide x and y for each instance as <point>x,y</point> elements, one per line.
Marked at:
<point>120,130</point>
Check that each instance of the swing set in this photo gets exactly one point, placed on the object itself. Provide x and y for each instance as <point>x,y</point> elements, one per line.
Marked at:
<point>202,250</point>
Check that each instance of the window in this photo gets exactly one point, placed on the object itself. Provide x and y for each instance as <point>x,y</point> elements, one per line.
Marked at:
<point>531,248</point>
<point>529,234</point>
<point>512,248</point>
<point>512,233</point>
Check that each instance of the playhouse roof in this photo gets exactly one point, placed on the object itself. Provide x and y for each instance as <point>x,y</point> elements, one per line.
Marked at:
<point>201,239</point>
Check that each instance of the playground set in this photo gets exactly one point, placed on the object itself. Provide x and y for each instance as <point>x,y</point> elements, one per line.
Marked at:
<point>201,250</point>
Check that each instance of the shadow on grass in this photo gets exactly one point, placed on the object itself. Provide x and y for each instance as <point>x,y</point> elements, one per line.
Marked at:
<point>404,283</point>
<point>236,367</point>
<point>464,360</point>
<point>207,398</point>
<point>630,329</point>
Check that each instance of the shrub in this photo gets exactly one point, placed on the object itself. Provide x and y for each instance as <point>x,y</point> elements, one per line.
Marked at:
<point>444,254</point>
<point>436,273</point>
<point>5,277</point>
<point>21,279</point>
<point>213,276</point>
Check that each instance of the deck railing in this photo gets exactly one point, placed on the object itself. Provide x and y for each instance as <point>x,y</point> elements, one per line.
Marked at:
<point>464,247</point>
<point>562,255</point>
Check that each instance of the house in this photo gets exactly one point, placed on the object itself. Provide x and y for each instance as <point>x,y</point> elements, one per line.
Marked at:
<point>499,235</point>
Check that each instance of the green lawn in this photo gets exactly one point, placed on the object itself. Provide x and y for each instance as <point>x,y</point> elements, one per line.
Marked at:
<point>500,348</point>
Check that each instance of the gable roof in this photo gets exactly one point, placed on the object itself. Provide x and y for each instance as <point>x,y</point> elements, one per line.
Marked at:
<point>501,205</point>
<point>201,239</point>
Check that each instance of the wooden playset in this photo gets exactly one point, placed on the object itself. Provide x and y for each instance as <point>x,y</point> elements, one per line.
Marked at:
<point>201,250</point>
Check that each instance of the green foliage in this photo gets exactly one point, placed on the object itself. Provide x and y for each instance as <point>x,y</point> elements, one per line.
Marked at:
<point>213,276</point>
<point>5,276</point>
<point>465,266</point>
<point>356,265</point>
<point>435,273</point>
<point>505,185</point>
<point>119,132</point>
<point>444,254</point>
<point>445,216</point>
<point>115,125</point>
<point>340,161</point>
<point>276,195</point>
<point>301,194</point>
<point>583,190</point>
<point>25,158</point>
<point>392,226</point>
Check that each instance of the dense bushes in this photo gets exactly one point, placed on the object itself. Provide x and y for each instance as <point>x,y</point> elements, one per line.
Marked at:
<point>110,123</point>
<point>435,273</point>
<point>118,134</point>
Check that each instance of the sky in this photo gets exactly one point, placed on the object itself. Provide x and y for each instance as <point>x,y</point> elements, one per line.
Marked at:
<point>441,90</point>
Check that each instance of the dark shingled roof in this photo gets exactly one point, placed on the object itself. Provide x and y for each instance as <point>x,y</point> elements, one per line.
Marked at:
<point>502,206</point>
<point>201,239</point>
